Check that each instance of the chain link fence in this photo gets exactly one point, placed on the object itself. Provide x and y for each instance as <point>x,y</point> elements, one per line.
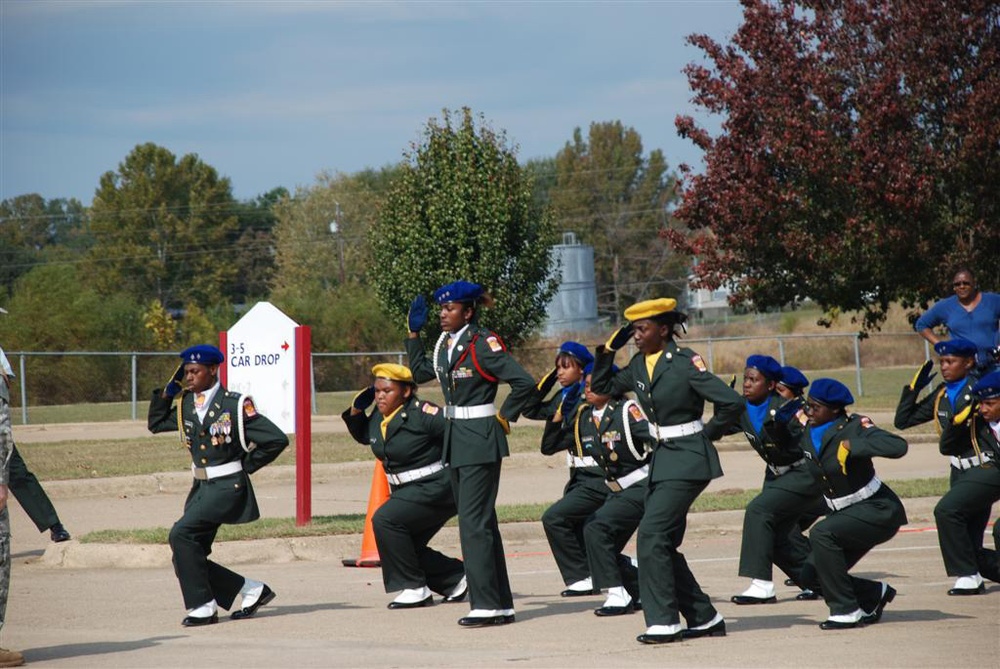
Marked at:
<point>89,379</point>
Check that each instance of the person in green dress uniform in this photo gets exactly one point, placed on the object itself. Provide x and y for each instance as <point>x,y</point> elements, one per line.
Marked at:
<point>978,428</point>
<point>864,511</point>
<point>957,363</point>
<point>470,361</point>
<point>405,434</point>
<point>671,384</point>
<point>228,440</point>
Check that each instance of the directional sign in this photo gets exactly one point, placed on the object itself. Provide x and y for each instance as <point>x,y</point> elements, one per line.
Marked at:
<point>260,361</point>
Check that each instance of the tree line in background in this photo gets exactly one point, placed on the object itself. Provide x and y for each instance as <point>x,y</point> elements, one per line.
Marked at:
<point>859,142</point>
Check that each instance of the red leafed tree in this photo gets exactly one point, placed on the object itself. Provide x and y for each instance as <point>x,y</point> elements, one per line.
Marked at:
<point>858,161</point>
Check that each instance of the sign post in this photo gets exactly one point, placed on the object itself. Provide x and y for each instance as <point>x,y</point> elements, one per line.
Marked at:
<point>269,356</point>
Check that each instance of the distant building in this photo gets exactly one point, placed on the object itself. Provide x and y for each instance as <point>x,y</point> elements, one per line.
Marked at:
<point>574,306</point>
<point>704,303</point>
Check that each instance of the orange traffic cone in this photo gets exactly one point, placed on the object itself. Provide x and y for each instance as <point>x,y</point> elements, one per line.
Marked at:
<point>379,493</point>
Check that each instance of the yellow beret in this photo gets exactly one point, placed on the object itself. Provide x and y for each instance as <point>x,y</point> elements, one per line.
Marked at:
<point>650,308</point>
<point>393,372</point>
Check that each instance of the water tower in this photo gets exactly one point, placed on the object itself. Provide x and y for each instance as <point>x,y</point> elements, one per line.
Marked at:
<point>574,306</point>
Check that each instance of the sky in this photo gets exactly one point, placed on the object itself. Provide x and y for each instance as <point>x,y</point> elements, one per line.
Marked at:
<point>275,93</point>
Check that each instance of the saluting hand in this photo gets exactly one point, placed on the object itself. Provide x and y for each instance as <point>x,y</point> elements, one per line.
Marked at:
<point>416,319</point>
<point>174,385</point>
<point>363,399</point>
<point>923,376</point>
<point>620,337</point>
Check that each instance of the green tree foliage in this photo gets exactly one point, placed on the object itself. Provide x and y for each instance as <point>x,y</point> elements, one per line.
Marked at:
<point>54,310</point>
<point>323,265</point>
<point>34,231</point>
<point>859,156</point>
<point>254,246</point>
<point>617,201</point>
<point>164,229</point>
<point>462,208</point>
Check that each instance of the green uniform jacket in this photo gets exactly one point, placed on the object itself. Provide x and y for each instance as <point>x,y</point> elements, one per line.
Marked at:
<point>479,362</point>
<point>935,407</point>
<point>780,453</point>
<point>616,452</point>
<point>973,436</point>
<point>676,394</point>
<point>867,442</point>
<point>218,441</point>
<point>413,438</point>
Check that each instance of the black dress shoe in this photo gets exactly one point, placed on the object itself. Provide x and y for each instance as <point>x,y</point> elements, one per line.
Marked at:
<point>718,629</point>
<point>266,596</point>
<point>746,600</point>
<point>790,582</point>
<point>412,605</point>
<point>58,533</point>
<point>807,596</point>
<point>579,593</point>
<point>876,615</point>
<point>968,591</point>
<point>198,621</point>
<point>834,625</point>
<point>606,611</point>
<point>659,638</point>
<point>460,597</point>
<point>471,621</point>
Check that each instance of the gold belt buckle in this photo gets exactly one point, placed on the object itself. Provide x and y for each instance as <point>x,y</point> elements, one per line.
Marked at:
<point>614,485</point>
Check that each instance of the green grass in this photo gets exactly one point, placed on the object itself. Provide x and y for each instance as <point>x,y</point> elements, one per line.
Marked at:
<point>273,528</point>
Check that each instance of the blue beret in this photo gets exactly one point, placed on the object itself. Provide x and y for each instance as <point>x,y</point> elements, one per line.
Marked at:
<point>578,351</point>
<point>459,291</point>
<point>793,378</point>
<point>766,365</point>
<point>963,348</point>
<point>831,392</point>
<point>987,387</point>
<point>203,354</point>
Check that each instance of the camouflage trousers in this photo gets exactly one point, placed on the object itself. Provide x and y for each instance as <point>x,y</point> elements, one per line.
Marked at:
<point>6,448</point>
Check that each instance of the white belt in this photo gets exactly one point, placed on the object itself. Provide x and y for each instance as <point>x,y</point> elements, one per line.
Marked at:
<point>585,461</point>
<point>414,474</point>
<point>465,413</point>
<point>969,463</point>
<point>778,470</point>
<point>839,503</point>
<point>664,432</point>
<point>209,473</point>
<point>632,478</point>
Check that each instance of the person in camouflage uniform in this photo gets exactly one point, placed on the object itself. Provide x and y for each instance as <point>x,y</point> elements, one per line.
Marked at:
<point>8,658</point>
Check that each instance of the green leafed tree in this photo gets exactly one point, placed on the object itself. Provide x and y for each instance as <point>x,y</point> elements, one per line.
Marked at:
<point>617,200</point>
<point>462,208</point>
<point>164,229</point>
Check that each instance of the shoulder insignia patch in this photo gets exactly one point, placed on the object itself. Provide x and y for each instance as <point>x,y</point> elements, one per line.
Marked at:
<point>635,412</point>
<point>249,410</point>
<point>802,417</point>
<point>699,362</point>
<point>431,409</point>
<point>494,343</point>
<point>866,422</point>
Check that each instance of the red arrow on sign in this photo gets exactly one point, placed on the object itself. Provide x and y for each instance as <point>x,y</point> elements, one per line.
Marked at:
<point>284,347</point>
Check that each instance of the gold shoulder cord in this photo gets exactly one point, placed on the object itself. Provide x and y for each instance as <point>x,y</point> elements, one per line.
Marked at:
<point>576,431</point>
<point>180,418</point>
<point>937,403</point>
<point>975,439</point>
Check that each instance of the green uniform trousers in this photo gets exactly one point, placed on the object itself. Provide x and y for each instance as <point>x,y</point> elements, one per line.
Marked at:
<point>606,535</point>
<point>564,523</point>
<point>476,488</point>
<point>667,587</point>
<point>403,526</point>
<point>30,494</point>
<point>771,534</point>
<point>976,489</point>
